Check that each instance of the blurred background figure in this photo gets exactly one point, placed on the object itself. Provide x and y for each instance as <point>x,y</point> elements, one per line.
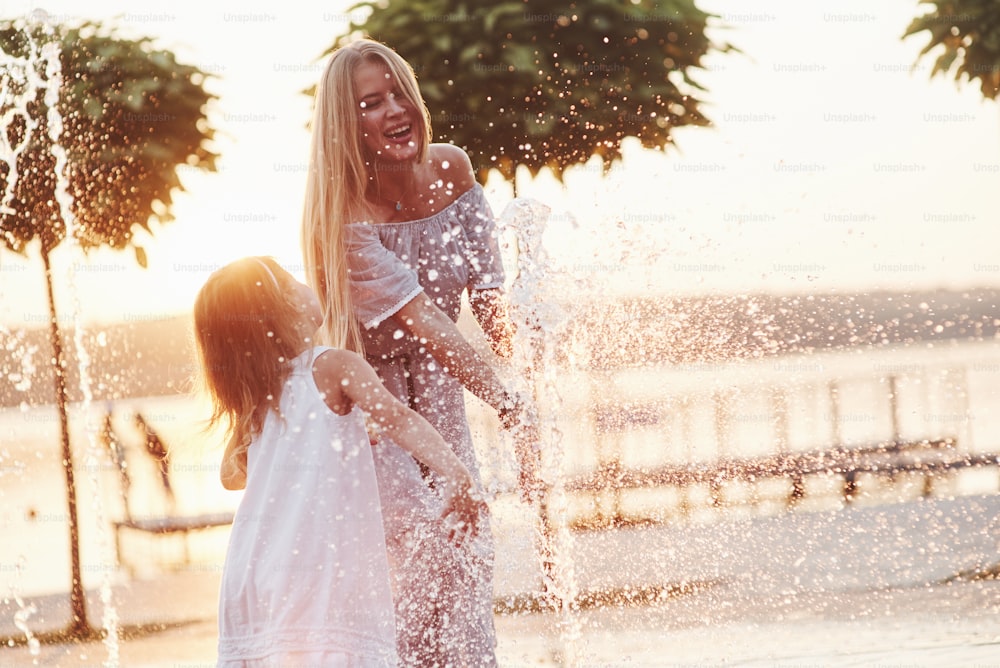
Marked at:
<point>158,451</point>
<point>110,441</point>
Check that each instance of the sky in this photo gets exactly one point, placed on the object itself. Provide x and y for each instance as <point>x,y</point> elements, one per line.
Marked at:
<point>834,163</point>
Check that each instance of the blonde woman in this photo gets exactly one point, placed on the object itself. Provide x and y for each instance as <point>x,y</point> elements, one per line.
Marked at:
<point>395,229</point>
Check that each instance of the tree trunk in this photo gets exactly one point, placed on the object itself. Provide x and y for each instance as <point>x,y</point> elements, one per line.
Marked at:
<point>78,626</point>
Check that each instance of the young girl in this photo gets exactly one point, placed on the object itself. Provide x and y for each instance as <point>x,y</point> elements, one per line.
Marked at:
<point>305,580</point>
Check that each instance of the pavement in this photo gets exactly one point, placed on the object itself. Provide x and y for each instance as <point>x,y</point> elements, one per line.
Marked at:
<point>900,585</point>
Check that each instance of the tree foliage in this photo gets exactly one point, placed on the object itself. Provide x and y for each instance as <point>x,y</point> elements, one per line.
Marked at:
<point>969,32</point>
<point>548,84</point>
<point>132,117</point>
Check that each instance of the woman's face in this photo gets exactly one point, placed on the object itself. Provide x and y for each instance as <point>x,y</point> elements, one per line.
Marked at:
<point>390,125</point>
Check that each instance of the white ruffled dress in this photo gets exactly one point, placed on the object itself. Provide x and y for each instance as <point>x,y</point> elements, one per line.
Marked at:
<point>306,579</point>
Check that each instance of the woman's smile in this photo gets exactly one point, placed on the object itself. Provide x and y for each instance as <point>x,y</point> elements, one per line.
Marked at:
<point>388,119</point>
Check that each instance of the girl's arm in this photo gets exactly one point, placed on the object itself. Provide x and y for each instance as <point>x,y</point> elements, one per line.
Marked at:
<point>345,379</point>
<point>233,470</point>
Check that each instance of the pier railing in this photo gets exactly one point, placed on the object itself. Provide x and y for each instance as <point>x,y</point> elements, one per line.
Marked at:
<point>778,470</point>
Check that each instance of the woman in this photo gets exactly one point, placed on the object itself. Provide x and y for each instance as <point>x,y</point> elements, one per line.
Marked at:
<point>395,229</point>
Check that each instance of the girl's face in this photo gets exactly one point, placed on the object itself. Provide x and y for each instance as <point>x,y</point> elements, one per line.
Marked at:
<point>390,125</point>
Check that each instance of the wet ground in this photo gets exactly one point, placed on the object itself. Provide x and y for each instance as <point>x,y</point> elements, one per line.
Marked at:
<point>869,586</point>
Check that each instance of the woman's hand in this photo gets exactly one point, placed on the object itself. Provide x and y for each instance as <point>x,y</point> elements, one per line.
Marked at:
<point>529,464</point>
<point>463,510</point>
<point>519,418</point>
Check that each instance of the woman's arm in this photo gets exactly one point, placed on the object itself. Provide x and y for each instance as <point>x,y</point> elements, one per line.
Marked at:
<point>422,318</point>
<point>445,342</point>
<point>489,305</point>
<point>490,308</point>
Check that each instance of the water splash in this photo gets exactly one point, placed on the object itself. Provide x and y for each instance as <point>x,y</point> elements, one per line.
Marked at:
<point>19,359</point>
<point>22,81</point>
<point>538,324</point>
<point>24,612</point>
<point>109,613</point>
<point>19,82</point>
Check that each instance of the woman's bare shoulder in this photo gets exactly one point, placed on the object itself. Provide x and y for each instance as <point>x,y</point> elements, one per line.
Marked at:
<point>451,164</point>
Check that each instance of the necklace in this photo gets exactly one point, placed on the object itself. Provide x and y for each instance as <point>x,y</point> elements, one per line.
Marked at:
<point>397,204</point>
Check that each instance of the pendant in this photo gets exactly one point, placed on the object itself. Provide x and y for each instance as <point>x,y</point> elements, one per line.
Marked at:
<point>399,206</point>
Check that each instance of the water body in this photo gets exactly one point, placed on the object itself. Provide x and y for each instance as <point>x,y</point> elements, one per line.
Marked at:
<point>947,391</point>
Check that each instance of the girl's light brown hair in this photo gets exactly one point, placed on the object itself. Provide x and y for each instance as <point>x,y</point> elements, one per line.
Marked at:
<point>247,332</point>
<point>339,171</point>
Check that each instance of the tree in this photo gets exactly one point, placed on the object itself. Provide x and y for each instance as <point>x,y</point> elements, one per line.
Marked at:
<point>131,116</point>
<point>548,84</point>
<point>969,32</point>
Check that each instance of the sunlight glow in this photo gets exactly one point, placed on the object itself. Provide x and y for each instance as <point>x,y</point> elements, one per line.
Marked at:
<point>834,163</point>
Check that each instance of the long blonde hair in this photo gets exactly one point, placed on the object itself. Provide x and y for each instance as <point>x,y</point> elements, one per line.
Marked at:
<point>247,332</point>
<point>338,175</point>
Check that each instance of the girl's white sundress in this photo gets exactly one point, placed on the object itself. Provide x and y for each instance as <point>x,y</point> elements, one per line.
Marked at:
<point>443,596</point>
<point>306,580</point>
